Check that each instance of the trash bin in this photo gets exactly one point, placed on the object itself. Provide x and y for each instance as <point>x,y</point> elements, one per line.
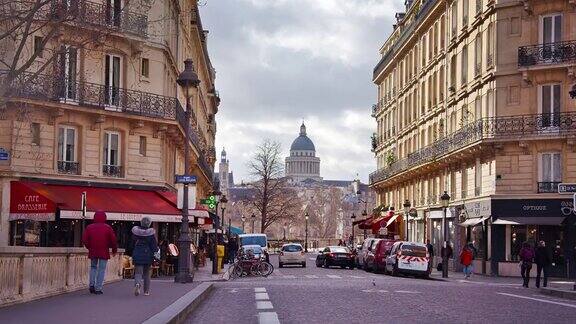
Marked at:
<point>220,254</point>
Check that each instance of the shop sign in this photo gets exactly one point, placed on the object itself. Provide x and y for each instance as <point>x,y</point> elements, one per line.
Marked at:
<point>26,203</point>
<point>532,207</point>
<point>477,209</point>
<point>566,187</point>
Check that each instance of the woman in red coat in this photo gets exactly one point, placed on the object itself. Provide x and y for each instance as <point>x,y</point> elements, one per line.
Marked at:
<point>466,257</point>
<point>98,238</point>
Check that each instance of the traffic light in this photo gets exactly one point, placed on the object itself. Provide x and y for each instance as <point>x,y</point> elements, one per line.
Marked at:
<point>210,202</point>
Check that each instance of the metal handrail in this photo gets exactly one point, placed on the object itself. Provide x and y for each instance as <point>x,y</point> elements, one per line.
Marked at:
<point>548,53</point>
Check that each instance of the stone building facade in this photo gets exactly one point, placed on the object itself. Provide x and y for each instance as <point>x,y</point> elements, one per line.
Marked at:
<point>104,112</point>
<point>473,99</point>
<point>302,163</point>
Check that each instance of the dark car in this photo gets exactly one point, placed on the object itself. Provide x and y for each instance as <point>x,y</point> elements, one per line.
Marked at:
<point>376,260</point>
<point>335,256</point>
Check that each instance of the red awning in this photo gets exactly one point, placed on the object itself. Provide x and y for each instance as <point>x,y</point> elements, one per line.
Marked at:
<point>366,224</point>
<point>30,200</point>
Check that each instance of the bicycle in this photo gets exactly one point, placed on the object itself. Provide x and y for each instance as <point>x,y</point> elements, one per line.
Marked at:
<point>247,265</point>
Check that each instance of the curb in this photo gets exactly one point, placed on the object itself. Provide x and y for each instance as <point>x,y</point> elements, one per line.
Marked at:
<point>178,311</point>
<point>567,294</point>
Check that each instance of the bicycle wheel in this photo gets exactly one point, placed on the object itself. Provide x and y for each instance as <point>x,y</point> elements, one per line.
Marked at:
<point>236,271</point>
<point>265,269</point>
<point>255,269</point>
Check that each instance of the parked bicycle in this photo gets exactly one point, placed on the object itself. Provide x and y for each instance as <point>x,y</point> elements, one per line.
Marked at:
<point>247,265</point>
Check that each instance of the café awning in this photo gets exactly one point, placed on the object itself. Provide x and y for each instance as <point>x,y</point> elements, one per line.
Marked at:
<point>528,221</point>
<point>40,201</point>
<point>473,221</point>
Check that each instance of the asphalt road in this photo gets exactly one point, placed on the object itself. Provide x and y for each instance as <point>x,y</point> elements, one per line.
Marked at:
<point>318,295</point>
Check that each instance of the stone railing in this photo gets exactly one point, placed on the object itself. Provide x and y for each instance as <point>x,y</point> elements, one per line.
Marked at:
<point>28,273</point>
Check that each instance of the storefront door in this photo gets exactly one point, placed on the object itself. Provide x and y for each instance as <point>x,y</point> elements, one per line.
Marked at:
<point>554,238</point>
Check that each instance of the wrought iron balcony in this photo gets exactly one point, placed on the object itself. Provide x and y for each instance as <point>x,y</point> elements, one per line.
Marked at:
<point>548,187</point>
<point>490,128</point>
<point>89,13</point>
<point>546,54</point>
<point>68,167</point>
<point>60,89</point>
<point>112,171</point>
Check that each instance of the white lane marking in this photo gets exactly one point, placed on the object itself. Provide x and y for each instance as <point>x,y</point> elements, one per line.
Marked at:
<point>264,305</point>
<point>333,276</point>
<point>259,289</point>
<point>233,290</point>
<point>357,277</point>
<point>382,291</point>
<point>538,299</point>
<point>312,276</point>
<point>262,296</point>
<point>367,290</point>
<point>406,292</point>
<point>289,276</point>
<point>268,318</point>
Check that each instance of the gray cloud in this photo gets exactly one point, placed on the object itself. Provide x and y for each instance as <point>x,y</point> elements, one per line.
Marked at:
<point>281,61</point>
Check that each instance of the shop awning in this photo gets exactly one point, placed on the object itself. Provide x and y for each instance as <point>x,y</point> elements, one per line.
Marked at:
<point>473,221</point>
<point>38,201</point>
<point>529,221</point>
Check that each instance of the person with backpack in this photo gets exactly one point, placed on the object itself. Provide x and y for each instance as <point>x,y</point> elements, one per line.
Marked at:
<point>526,259</point>
<point>145,248</point>
<point>99,238</point>
<point>466,258</point>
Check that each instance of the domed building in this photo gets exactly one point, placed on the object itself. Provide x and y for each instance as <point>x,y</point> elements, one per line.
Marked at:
<point>302,163</point>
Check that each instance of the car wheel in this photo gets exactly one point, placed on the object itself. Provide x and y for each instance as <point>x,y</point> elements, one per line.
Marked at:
<point>303,264</point>
<point>352,267</point>
<point>326,265</point>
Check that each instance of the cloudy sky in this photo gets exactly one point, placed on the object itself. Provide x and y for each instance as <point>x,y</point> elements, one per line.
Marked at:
<point>279,62</point>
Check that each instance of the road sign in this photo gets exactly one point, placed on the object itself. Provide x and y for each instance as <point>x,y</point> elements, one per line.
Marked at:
<point>184,178</point>
<point>566,187</point>
<point>4,155</point>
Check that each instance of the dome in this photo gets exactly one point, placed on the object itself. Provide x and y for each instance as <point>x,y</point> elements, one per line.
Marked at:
<point>302,142</point>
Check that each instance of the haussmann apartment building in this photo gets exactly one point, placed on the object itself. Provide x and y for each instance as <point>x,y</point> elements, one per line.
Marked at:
<point>473,99</point>
<point>99,112</point>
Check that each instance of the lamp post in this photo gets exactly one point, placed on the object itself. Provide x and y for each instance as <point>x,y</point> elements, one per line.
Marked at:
<point>445,199</point>
<point>222,202</point>
<point>285,232</point>
<point>406,206</point>
<point>188,80</point>
<point>216,193</point>
<point>306,237</point>
<point>243,218</point>
<point>353,237</point>
<point>253,220</point>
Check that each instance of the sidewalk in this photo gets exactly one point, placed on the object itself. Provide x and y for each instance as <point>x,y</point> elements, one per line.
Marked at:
<point>204,274</point>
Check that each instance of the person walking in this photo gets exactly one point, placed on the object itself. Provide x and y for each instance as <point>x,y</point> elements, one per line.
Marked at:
<point>99,238</point>
<point>466,257</point>
<point>526,258</point>
<point>542,259</point>
<point>430,248</point>
<point>145,247</point>
<point>232,249</point>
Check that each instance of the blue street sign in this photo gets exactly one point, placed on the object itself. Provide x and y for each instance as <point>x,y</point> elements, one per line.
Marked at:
<point>183,178</point>
<point>566,187</point>
<point>4,155</point>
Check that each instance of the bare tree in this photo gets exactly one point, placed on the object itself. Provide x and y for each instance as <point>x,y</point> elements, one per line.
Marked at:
<point>323,208</point>
<point>274,199</point>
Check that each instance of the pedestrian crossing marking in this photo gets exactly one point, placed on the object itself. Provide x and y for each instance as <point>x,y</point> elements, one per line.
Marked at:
<point>259,290</point>
<point>333,276</point>
<point>262,296</point>
<point>264,305</point>
<point>312,276</point>
<point>357,277</point>
<point>289,276</point>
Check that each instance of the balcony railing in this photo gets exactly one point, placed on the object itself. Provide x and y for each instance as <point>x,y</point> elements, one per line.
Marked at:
<point>89,13</point>
<point>112,171</point>
<point>68,167</point>
<point>549,53</point>
<point>548,187</point>
<point>512,127</point>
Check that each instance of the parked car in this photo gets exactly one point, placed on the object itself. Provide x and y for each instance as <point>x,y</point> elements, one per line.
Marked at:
<point>363,253</point>
<point>254,249</point>
<point>256,239</point>
<point>292,253</point>
<point>376,258</point>
<point>408,258</point>
<point>335,256</point>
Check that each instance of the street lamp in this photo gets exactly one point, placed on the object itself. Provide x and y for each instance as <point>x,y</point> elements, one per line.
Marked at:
<point>406,206</point>
<point>216,193</point>
<point>188,80</point>
<point>243,218</point>
<point>222,202</point>
<point>353,237</point>
<point>306,238</point>
<point>253,220</point>
<point>445,199</point>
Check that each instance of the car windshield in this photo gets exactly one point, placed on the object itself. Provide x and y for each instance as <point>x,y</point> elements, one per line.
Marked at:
<point>255,249</point>
<point>414,250</point>
<point>253,240</point>
<point>292,248</point>
<point>340,249</point>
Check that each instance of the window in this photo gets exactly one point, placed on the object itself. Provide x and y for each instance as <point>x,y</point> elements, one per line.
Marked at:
<point>114,12</point>
<point>478,58</point>
<point>454,19</point>
<point>464,64</point>
<point>453,73</point>
<point>112,79</point>
<point>464,184</point>
<point>551,167</point>
<point>551,29</point>
<point>35,133</point>
<point>68,61</point>
<point>67,144</point>
<point>464,13</point>
<point>550,104</point>
<point>145,68</point>
<point>513,95</point>
<point>478,108</point>
<point>490,46</point>
<point>38,46</point>
<point>478,178</point>
<point>112,149</point>
<point>142,149</point>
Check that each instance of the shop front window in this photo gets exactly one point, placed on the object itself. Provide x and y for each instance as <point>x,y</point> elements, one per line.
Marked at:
<point>477,239</point>
<point>518,236</point>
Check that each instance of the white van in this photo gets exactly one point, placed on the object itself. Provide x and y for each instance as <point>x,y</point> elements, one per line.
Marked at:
<point>255,239</point>
<point>409,258</point>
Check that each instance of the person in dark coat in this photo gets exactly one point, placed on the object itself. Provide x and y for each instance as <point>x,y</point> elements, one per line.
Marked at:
<point>430,248</point>
<point>98,238</point>
<point>145,247</point>
<point>543,260</point>
<point>232,249</point>
<point>526,259</point>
